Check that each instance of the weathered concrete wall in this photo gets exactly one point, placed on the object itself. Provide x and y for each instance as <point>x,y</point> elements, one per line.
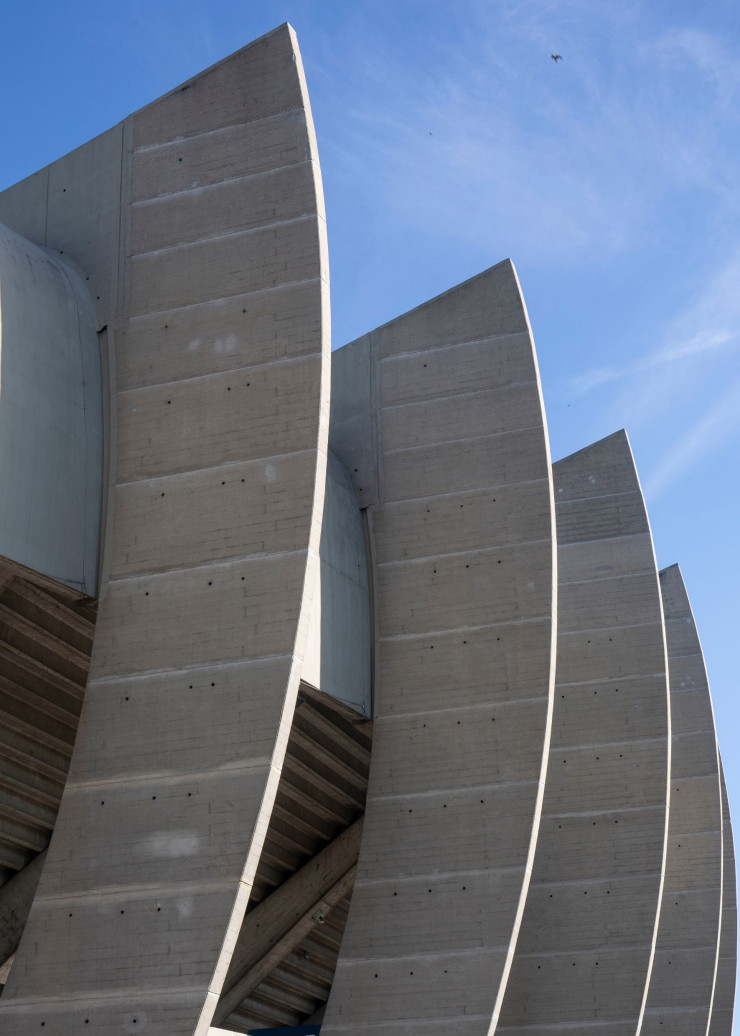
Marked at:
<point>464,564</point>
<point>723,1004</point>
<point>51,415</point>
<point>682,980</point>
<point>220,328</point>
<point>586,941</point>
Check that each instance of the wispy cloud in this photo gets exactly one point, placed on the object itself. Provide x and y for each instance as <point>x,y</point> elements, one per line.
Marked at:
<point>717,425</point>
<point>489,141</point>
<point>707,324</point>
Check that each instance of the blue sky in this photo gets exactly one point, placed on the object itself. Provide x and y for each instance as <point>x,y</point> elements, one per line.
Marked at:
<point>449,140</point>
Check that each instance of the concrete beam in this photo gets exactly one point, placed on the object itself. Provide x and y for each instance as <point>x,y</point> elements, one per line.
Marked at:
<point>278,924</point>
<point>16,897</point>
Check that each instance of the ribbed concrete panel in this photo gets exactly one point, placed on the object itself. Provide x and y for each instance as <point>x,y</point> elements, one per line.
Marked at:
<point>586,940</point>
<point>723,1005</point>
<point>464,565</point>
<point>220,330</point>
<point>682,979</point>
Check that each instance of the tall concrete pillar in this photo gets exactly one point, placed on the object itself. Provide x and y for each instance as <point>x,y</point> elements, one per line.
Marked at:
<point>439,417</point>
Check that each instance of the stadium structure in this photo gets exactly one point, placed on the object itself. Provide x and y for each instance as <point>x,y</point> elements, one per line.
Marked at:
<point>326,699</point>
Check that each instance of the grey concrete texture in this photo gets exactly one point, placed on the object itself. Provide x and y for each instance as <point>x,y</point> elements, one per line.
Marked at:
<point>339,655</point>
<point>440,422</point>
<point>586,940</point>
<point>724,987</point>
<point>519,868</point>
<point>682,981</point>
<point>51,415</point>
<point>220,423</point>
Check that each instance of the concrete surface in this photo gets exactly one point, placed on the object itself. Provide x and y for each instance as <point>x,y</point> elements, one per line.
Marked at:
<point>203,616</point>
<point>464,589</point>
<point>51,415</point>
<point>339,652</point>
<point>585,946</point>
<point>724,989</point>
<point>683,974</point>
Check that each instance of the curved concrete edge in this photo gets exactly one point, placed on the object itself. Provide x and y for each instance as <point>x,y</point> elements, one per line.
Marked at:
<point>587,935</point>
<point>212,562</point>
<point>723,1004</point>
<point>685,965</point>
<point>456,470</point>
<point>51,414</point>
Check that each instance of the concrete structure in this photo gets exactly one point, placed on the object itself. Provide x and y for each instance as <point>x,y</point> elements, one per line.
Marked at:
<point>586,945</point>
<point>286,663</point>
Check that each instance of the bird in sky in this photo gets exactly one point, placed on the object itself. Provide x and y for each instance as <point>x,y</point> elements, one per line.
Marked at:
<point>556,57</point>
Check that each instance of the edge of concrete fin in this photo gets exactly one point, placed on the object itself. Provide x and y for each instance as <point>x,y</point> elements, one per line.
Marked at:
<point>723,1006</point>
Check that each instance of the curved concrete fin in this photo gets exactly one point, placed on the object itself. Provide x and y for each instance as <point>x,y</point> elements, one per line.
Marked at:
<point>682,979</point>
<point>222,353</point>
<point>723,1005</point>
<point>464,585</point>
<point>586,941</point>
